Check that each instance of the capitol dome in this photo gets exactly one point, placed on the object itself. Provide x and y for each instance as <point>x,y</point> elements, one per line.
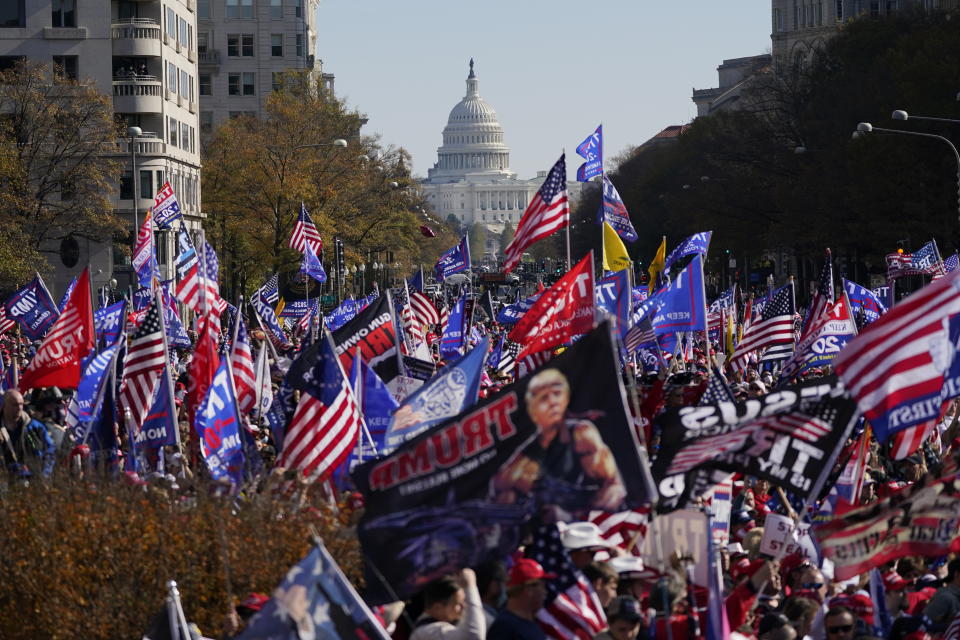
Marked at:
<point>472,141</point>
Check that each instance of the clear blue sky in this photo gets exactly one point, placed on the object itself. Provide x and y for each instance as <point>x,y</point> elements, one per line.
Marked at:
<point>553,70</point>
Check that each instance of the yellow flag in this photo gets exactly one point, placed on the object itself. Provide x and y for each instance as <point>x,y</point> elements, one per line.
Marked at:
<point>657,265</point>
<point>279,308</point>
<point>731,323</point>
<point>615,256</point>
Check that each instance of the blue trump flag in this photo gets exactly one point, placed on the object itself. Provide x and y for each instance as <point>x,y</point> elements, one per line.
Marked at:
<point>682,303</point>
<point>268,317</point>
<point>90,391</point>
<point>314,600</point>
<point>591,149</point>
<point>33,308</point>
<point>415,282</point>
<point>511,313</point>
<point>311,264</point>
<point>218,427</point>
<point>614,212</point>
<point>453,390</point>
<point>108,322</point>
<point>867,307</point>
<point>176,334</point>
<point>454,260</point>
<point>377,406</point>
<point>698,243</point>
<point>613,295</point>
<point>451,343</point>
<point>66,294</point>
<point>341,315</point>
<point>159,428</point>
<point>142,298</point>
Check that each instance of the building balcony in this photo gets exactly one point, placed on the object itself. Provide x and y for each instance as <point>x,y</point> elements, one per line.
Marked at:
<point>137,94</point>
<point>136,37</point>
<point>148,144</point>
<point>210,57</point>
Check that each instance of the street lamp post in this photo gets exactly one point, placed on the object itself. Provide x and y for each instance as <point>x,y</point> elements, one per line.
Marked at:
<point>134,133</point>
<point>866,127</point>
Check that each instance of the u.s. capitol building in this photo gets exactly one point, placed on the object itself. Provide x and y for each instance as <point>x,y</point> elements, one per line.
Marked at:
<point>472,180</point>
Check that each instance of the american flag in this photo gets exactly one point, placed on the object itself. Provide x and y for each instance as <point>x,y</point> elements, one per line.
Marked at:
<point>773,328</point>
<point>639,334</point>
<point>508,358</point>
<point>548,211</point>
<point>952,263</point>
<point>443,319</point>
<point>891,364</point>
<point>953,631</point>
<point>143,365</point>
<point>305,231</point>
<point>190,285</point>
<point>533,361</point>
<point>423,308</point>
<point>241,361</point>
<point>823,297</point>
<point>624,529</point>
<point>326,423</point>
<point>6,322</point>
<point>717,389</point>
<point>572,608</point>
<point>906,442</point>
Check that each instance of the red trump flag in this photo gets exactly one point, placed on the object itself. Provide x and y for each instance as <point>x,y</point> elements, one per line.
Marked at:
<point>564,310</point>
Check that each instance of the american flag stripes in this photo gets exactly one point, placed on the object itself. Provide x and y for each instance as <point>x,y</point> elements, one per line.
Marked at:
<point>508,358</point>
<point>548,211</point>
<point>640,333</point>
<point>895,369</point>
<point>774,327</point>
<point>244,376</point>
<point>143,365</point>
<point>623,528</point>
<point>823,297</point>
<point>906,442</point>
<point>717,389</point>
<point>193,282</point>
<point>533,361</point>
<point>326,423</point>
<point>423,308</point>
<point>305,231</point>
<point>6,322</point>
<point>572,608</point>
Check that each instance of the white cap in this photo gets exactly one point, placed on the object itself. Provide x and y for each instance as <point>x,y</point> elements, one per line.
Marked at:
<point>582,535</point>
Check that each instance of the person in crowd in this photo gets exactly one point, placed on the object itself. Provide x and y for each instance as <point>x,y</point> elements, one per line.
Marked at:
<point>630,576</point>
<point>801,612</point>
<point>582,541</point>
<point>623,619</point>
<point>604,580</point>
<point>452,610</point>
<point>526,593</point>
<point>839,624</point>
<point>945,603</point>
<point>491,583</point>
<point>775,626</point>
<point>28,449</point>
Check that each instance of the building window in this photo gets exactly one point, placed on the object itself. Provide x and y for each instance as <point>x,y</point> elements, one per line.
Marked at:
<point>243,114</point>
<point>276,81</point>
<point>66,67</point>
<point>820,14</point>
<point>203,41</point>
<point>203,9</point>
<point>839,10</point>
<point>12,14</point>
<point>184,136</point>
<point>233,84</point>
<point>299,8</point>
<point>239,8</point>
<point>205,84</point>
<point>182,36</point>
<point>796,15</point>
<point>892,6</point>
<point>173,127</point>
<point>206,121</point>
<point>246,45</point>
<point>184,84</point>
<point>233,44</point>
<point>276,9</point>
<point>171,77</point>
<point>171,23</point>
<point>126,185</point>
<point>240,44</point>
<point>299,45</point>
<point>249,83</point>
<point>68,188</point>
<point>276,45</point>
<point>146,184</point>
<point>64,13</point>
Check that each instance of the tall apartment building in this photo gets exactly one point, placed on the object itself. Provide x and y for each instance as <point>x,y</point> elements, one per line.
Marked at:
<point>143,53</point>
<point>244,46</point>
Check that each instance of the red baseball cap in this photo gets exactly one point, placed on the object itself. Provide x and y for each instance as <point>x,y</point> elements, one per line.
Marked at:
<point>893,582</point>
<point>527,570</point>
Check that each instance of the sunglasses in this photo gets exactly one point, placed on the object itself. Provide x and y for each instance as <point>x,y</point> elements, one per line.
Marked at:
<point>812,585</point>
<point>847,628</point>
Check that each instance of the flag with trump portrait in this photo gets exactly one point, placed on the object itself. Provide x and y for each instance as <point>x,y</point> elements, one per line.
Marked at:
<point>458,494</point>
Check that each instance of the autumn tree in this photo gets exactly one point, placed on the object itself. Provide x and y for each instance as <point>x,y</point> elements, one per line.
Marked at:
<point>56,140</point>
<point>259,171</point>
